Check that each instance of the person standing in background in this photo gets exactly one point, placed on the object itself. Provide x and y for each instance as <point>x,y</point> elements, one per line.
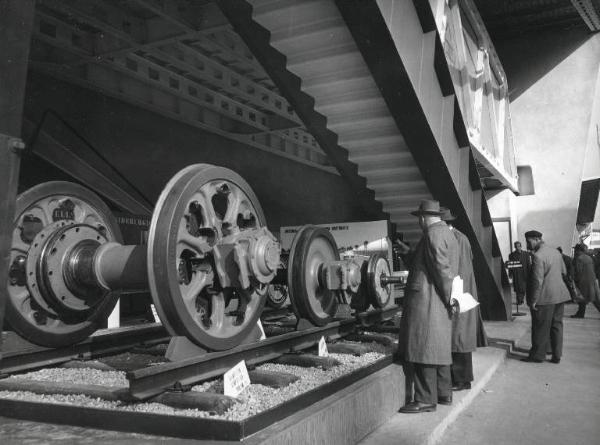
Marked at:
<point>568,263</point>
<point>585,280</point>
<point>546,296</point>
<point>465,325</point>
<point>520,275</point>
<point>425,334</point>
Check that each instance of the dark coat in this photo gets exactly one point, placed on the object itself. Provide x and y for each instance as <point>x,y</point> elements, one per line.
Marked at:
<point>520,275</point>
<point>546,285</point>
<point>585,276</point>
<point>464,326</point>
<point>426,325</point>
<point>569,265</point>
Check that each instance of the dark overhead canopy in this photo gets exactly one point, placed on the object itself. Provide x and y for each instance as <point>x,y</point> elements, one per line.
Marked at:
<point>511,18</point>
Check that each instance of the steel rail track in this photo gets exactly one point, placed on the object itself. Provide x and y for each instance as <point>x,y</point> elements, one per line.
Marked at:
<point>151,381</point>
<point>19,355</point>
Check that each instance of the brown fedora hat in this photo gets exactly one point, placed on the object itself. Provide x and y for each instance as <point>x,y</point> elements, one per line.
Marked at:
<point>447,214</point>
<point>428,207</point>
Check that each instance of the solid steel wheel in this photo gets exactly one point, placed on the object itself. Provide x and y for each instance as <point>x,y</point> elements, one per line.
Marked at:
<point>379,294</point>
<point>201,207</point>
<point>44,305</point>
<point>311,248</point>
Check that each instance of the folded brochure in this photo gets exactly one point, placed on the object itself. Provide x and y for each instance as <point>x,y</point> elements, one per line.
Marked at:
<point>464,300</point>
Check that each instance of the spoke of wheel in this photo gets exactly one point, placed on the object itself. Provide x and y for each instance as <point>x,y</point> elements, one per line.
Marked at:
<point>19,245</point>
<point>211,219</point>
<point>234,201</point>
<point>52,323</point>
<point>44,207</point>
<point>20,295</point>
<point>85,212</point>
<point>198,283</point>
<point>218,310</point>
<point>198,245</point>
<point>24,303</point>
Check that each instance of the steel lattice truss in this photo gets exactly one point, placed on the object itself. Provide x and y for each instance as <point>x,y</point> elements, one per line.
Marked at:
<point>181,59</point>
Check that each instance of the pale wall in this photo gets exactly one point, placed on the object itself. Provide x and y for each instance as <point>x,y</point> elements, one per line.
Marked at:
<point>551,118</point>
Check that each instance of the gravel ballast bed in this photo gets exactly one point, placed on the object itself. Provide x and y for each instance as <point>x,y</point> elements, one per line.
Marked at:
<point>255,399</point>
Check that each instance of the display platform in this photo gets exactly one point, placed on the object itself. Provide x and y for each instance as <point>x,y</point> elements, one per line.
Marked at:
<point>344,417</point>
<point>354,404</point>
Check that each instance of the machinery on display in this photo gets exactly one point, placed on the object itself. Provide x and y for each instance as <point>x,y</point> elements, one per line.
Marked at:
<point>209,263</point>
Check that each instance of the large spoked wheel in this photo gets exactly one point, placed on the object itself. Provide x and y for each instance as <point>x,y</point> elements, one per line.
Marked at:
<point>200,207</point>
<point>311,248</point>
<point>44,306</point>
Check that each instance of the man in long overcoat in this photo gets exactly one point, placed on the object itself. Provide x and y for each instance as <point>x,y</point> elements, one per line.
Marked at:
<point>520,275</point>
<point>585,280</point>
<point>425,340</point>
<point>546,296</point>
<point>464,326</point>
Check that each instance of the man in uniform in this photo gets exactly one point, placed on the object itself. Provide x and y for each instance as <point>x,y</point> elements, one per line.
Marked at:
<point>425,338</point>
<point>520,275</point>
<point>465,325</point>
<point>546,296</point>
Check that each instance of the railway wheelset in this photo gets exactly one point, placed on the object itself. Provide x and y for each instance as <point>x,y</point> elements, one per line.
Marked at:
<point>209,263</point>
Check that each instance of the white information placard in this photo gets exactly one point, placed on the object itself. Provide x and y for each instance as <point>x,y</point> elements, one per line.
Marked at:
<point>236,380</point>
<point>323,352</point>
<point>155,313</point>
<point>262,331</point>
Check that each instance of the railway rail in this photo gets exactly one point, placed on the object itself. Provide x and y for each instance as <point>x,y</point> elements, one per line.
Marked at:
<point>21,356</point>
<point>151,381</point>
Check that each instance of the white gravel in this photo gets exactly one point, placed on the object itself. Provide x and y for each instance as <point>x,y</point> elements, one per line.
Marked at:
<point>254,399</point>
<point>257,398</point>
<point>77,376</point>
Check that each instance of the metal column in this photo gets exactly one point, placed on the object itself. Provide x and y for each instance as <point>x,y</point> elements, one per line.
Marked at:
<point>16,21</point>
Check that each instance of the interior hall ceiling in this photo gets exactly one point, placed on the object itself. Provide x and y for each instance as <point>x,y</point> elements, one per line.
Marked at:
<point>511,18</point>
<point>178,58</point>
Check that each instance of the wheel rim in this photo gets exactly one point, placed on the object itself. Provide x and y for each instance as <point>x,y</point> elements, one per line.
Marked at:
<point>193,215</point>
<point>312,247</point>
<point>379,295</point>
<point>42,213</point>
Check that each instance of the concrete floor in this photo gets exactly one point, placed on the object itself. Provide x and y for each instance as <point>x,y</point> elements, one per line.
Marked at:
<point>520,403</point>
<point>511,402</point>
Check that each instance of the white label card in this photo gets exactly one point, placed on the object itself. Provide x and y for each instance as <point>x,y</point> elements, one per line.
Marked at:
<point>323,352</point>
<point>263,336</point>
<point>155,314</point>
<point>236,380</point>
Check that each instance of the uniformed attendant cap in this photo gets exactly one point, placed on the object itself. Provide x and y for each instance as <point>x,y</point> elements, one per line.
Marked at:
<point>533,234</point>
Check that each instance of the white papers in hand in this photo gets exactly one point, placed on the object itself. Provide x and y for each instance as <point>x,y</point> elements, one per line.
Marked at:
<point>465,301</point>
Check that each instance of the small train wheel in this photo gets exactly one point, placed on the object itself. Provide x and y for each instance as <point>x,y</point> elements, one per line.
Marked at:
<point>276,295</point>
<point>379,295</point>
<point>312,247</point>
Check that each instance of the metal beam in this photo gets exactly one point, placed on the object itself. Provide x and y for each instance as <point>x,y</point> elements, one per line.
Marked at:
<point>112,188</point>
<point>104,80</point>
<point>589,11</point>
<point>155,74</point>
<point>184,62</point>
<point>16,22</point>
